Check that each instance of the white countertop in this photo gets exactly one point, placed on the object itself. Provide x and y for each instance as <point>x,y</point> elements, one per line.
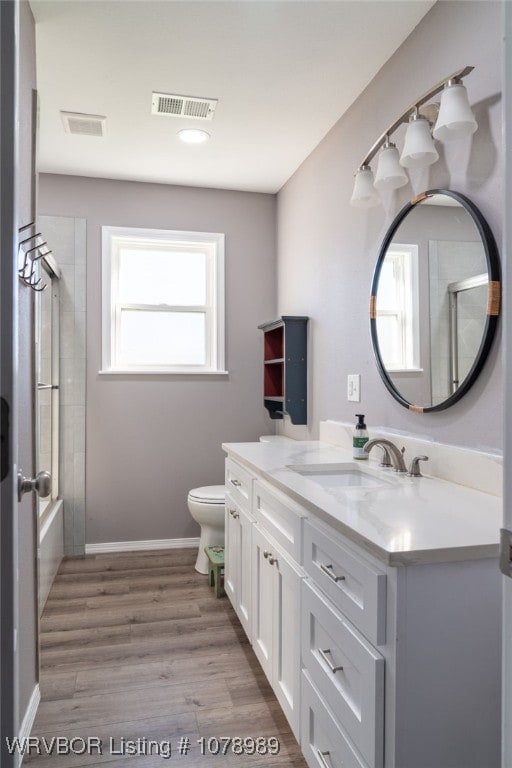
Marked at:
<point>400,520</point>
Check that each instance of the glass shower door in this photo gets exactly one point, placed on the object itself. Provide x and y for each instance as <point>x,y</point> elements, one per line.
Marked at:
<point>47,381</point>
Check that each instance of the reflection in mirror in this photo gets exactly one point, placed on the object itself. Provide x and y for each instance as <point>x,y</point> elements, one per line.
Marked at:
<point>430,323</point>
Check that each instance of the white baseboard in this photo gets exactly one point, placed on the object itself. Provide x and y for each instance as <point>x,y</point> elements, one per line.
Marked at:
<point>133,546</point>
<point>28,720</point>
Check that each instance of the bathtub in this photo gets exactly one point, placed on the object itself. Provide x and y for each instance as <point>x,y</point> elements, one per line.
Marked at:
<point>51,548</point>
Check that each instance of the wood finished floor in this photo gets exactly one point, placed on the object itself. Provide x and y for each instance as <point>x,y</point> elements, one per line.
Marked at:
<point>135,645</point>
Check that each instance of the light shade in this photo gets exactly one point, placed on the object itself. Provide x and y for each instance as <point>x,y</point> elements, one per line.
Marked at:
<point>419,149</point>
<point>455,119</point>
<point>364,194</point>
<point>390,174</point>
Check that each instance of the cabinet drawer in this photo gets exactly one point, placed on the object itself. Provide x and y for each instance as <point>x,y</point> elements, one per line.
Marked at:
<point>323,744</point>
<point>347,670</point>
<point>281,517</point>
<point>239,484</point>
<point>352,584</point>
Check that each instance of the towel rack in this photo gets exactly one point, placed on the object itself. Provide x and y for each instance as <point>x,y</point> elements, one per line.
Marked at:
<point>30,250</point>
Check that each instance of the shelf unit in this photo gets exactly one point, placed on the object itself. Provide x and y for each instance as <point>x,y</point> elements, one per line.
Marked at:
<point>285,367</point>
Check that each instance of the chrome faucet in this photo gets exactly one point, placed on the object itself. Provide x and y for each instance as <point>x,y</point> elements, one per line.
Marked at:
<point>396,454</point>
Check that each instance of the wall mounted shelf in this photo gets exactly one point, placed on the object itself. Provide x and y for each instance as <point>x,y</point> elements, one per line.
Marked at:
<point>285,367</point>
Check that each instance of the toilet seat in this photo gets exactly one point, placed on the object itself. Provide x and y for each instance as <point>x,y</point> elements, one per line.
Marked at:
<point>208,494</point>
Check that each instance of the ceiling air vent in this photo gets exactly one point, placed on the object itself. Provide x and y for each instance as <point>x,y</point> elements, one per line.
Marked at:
<point>172,105</point>
<point>84,125</point>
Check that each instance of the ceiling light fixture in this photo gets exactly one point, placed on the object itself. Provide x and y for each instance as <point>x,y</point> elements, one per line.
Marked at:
<point>193,135</point>
<point>454,120</point>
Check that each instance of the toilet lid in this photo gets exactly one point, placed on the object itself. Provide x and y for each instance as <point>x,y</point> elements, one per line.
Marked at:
<point>210,494</point>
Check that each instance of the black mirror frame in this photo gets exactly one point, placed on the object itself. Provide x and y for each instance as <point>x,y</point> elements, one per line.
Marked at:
<point>493,300</point>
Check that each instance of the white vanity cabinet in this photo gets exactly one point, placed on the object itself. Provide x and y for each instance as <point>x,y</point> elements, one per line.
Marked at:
<point>403,661</point>
<point>276,621</point>
<point>238,524</point>
<point>380,658</point>
<point>262,579</point>
<point>277,574</point>
<point>237,565</point>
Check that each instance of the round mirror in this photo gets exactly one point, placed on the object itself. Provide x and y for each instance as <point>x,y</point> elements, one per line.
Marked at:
<point>435,300</point>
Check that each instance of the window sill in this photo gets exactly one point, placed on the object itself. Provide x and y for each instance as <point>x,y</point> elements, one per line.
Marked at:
<point>161,372</point>
<point>406,371</point>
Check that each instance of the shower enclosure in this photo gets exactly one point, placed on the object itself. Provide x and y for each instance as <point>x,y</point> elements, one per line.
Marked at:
<point>49,509</point>
<point>467,299</point>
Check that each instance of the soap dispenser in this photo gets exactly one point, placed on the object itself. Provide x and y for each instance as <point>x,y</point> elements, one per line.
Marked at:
<point>360,438</point>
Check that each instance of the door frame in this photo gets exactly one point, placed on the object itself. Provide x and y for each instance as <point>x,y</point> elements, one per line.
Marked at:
<point>9,726</point>
<point>506,738</point>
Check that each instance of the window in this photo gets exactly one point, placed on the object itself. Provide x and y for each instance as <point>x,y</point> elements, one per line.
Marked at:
<point>163,301</point>
<point>397,308</point>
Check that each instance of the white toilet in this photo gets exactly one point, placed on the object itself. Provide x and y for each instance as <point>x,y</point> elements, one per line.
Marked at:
<point>206,506</point>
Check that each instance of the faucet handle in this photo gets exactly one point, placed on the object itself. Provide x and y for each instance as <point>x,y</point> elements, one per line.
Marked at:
<point>414,469</point>
<point>386,458</point>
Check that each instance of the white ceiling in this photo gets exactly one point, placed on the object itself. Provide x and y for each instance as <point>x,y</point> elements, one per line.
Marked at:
<point>283,72</point>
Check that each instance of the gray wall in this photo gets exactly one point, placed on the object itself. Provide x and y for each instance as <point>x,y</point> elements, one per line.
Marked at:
<point>327,249</point>
<point>149,439</point>
<point>27,548</point>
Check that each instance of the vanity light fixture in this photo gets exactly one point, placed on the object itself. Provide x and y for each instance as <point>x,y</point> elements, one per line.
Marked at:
<point>454,120</point>
<point>193,135</point>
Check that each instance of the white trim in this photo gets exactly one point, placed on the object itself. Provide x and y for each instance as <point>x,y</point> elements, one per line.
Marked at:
<point>133,546</point>
<point>170,372</point>
<point>28,720</point>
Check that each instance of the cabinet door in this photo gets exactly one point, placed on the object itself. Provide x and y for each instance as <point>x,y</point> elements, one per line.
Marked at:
<point>244,596</point>
<point>231,550</point>
<point>263,576</point>
<point>286,640</point>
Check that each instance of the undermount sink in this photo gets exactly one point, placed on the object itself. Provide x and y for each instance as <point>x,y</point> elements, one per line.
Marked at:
<point>339,475</point>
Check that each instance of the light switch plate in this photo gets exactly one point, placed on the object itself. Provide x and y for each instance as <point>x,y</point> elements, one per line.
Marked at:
<point>354,387</point>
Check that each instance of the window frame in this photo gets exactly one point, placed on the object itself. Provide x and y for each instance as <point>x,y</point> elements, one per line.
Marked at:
<point>406,261</point>
<point>113,239</point>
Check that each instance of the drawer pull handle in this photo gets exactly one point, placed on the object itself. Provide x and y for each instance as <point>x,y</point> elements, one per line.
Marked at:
<point>322,756</point>
<point>266,554</point>
<point>328,569</point>
<point>234,513</point>
<point>272,559</point>
<point>236,483</point>
<point>323,654</point>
